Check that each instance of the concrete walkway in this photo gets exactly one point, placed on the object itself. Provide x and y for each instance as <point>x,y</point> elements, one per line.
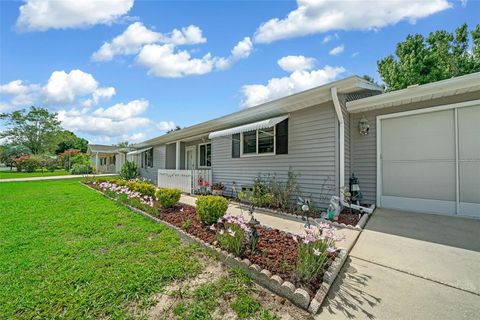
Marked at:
<point>53,177</point>
<point>284,223</point>
<point>410,266</point>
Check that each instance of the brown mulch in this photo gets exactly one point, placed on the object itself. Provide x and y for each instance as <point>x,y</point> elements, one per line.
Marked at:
<point>349,217</point>
<point>276,251</point>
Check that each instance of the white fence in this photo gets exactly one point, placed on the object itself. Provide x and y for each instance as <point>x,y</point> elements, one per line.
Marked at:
<point>189,181</point>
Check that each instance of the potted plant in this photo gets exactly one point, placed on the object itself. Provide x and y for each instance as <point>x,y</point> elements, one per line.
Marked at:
<point>218,188</point>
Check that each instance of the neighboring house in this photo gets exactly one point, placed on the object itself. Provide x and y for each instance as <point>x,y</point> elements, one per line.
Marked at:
<point>414,149</point>
<point>106,159</point>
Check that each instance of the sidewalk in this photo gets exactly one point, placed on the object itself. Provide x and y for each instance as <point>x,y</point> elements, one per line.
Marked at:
<point>280,222</point>
<point>53,177</point>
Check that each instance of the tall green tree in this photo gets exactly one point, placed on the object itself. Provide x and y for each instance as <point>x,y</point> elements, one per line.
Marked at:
<point>37,129</point>
<point>441,55</point>
<point>69,140</point>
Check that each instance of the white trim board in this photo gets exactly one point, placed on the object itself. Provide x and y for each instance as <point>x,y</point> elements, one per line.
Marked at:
<point>423,205</point>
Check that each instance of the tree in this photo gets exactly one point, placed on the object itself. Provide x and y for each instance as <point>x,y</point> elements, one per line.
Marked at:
<point>440,56</point>
<point>69,140</point>
<point>177,127</point>
<point>9,152</point>
<point>123,144</point>
<point>36,129</point>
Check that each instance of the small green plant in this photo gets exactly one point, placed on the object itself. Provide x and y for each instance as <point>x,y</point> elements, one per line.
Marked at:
<point>231,238</point>
<point>313,250</point>
<point>186,224</point>
<point>129,170</point>
<point>211,208</point>
<point>168,197</point>
<point>245,306</point>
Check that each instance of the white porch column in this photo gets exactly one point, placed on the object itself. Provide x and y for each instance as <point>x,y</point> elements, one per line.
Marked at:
<point>96,162</point>
<point>177,155</point>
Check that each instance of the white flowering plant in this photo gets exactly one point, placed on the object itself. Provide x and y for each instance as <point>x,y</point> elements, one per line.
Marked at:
<point>231,233</point>
<point>124,194</point>
<point>314,248</point>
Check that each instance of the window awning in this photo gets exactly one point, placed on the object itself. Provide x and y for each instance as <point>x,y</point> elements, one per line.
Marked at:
<point>264,124</point>
<point>138,151</point>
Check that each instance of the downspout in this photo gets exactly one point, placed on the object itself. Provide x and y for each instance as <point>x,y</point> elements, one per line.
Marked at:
<point>338,110</point>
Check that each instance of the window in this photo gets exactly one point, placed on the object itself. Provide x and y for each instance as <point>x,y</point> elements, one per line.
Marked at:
<point>258,142</point>
<point>268,141</point>
<point>147,159</point>
<point>205,155</point>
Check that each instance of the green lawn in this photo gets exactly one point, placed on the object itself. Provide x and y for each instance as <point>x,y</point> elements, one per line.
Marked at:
<point>67,252</point>
<point>14,174</point>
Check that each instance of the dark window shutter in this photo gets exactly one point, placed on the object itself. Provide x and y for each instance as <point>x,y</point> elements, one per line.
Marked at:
<point>282,137</point>
<point>236,145</point>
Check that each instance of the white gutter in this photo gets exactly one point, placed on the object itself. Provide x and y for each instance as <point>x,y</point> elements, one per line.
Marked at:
<point>338,110</point>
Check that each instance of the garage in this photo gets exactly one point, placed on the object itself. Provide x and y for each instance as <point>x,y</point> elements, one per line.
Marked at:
<point>428,160</point>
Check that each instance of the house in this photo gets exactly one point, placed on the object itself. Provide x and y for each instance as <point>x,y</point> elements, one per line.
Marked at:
<point>106,159</point>
<point>415,149</point>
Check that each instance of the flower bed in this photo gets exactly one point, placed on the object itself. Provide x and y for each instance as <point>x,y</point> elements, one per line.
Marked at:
<point>300,268</point>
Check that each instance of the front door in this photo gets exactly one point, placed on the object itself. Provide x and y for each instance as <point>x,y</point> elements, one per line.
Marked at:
<point>190,158</point>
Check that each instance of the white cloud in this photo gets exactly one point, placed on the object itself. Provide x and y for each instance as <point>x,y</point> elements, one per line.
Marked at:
<point>121,111</point>
<point>330,37</point>
<point>314,16</point>
<point>337,50</point>
<point>242,50</point>
<point>293,63</point>
<point>41,15</point>
<point>89,124</point>
<point>64,87</point>
<point>187,36</point>
<point>100,94</point>
<point>355,54</point>
<point>22,94</point>
<point>164,61</point>
<point>137,35</point>
<point>137,136</point>
<point>166,125</point>
<point>129,42</point>
<point>297,81</point>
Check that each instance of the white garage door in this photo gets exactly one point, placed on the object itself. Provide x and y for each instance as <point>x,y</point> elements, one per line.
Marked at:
<point>429,161</point>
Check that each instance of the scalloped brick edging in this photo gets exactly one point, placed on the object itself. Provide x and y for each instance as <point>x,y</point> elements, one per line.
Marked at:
<point>358,227</point>
<point>263,277</point>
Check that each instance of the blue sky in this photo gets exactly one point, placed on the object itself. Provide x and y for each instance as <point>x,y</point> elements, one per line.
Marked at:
<point>152,77</point>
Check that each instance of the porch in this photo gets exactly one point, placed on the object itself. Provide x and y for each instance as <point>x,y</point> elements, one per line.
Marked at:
<point>187,166</point>
<point>193,181</point>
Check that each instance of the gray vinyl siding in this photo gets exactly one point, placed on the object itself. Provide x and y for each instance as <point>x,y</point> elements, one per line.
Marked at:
<point>311,154</point>
<point>364,148</point>
<point>159,158</point>
<point>170,156</point>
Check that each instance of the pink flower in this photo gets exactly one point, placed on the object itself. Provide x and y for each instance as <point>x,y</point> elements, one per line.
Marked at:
<point>317,252</point>
<point>212,227</point>
<point>331,249</point>
<point>231,232</point>
<point>221,232</point>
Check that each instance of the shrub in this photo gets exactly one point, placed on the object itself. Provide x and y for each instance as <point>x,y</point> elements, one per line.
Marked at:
<point>143,187</point>
<point>129,170</point>
<point>31,164</point>
<point>168,197</point>
<point>211,208</point>
<point>78,168</point>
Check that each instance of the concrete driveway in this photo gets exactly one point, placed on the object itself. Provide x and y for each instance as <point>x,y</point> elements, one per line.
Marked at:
<point>410,266</point>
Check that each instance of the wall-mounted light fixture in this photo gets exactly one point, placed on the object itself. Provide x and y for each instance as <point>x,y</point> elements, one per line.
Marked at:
<point>363,126</point>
